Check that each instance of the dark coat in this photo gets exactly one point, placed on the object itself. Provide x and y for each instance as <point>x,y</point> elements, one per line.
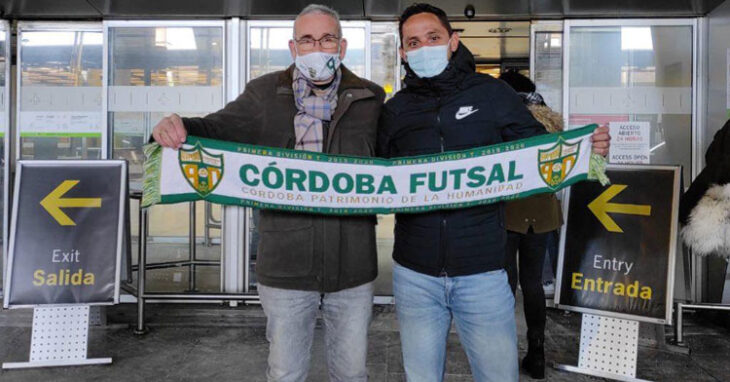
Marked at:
<point>716,171</point>
<point>305,251</point>
<point>540,212</point>
<point>432,116</point>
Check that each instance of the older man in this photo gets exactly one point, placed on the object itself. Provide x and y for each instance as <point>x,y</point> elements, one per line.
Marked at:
<point>305,261</point>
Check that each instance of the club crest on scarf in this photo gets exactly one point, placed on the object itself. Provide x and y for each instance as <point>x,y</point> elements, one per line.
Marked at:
<point>202,169</point>
<point>556,162</point>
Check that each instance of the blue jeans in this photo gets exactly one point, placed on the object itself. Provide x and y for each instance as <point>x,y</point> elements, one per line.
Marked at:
<point>482,307</point>
<point>290,319</point>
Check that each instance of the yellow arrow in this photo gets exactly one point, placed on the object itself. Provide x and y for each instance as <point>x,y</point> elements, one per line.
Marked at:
<point>53,202</point>
<point>601,207</point>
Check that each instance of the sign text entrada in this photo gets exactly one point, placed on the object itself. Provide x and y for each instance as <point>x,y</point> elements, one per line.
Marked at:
<point>598,285</point>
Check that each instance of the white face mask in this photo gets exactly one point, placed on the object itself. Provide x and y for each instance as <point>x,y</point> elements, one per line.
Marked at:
<point>318,66</point>
<point>429,61</point>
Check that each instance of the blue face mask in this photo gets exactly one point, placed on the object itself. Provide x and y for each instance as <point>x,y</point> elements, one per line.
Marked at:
<point>429,61</point>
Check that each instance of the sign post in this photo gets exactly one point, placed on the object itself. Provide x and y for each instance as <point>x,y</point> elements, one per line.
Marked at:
<point>65,252</point>
<point>617,263</point>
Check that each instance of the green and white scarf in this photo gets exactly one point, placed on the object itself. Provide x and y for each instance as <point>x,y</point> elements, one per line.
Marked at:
<point>263,177</point>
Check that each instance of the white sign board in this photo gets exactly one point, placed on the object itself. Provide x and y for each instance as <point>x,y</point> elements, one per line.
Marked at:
<point>630,142</point>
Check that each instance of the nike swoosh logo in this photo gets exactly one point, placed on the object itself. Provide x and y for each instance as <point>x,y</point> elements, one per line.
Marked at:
<point>465,113</point>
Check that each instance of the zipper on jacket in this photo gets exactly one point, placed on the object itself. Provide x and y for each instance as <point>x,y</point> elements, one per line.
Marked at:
<point>438,123</point>
<point>441,134</point>
<point>442,247</point>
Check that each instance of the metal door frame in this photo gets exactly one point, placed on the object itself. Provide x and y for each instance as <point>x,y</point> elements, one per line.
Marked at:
<point>7,139</point>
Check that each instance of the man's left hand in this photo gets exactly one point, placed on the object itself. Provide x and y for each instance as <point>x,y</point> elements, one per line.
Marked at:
<point>601,141</point>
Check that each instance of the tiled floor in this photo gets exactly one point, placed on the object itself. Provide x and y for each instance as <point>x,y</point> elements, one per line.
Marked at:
<point>214,343</point>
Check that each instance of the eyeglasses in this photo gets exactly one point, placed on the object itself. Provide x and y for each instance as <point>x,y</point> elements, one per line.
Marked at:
<point>326,42</point>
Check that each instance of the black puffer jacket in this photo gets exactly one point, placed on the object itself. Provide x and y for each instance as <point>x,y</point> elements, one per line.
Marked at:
<point>716,171</point>
<point>456,110</point>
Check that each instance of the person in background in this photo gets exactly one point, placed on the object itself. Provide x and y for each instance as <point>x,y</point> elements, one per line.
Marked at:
<point>704,209</point>
<point>449,264</point>
<point>529,222</point>
<point>307,263</point>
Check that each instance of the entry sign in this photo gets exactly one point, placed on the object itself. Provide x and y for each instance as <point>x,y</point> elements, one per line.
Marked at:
<point>618,245</point>
<point>66,233</point>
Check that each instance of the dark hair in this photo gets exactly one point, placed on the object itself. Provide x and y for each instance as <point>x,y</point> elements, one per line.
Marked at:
<point>423,8</point>
<point>517,81</point>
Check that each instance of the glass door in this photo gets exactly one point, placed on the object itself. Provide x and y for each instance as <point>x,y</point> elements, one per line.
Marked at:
<point>157,68</point>
<point>386,72</point>
<point>546,71</point>
<point>637,77</point>
<point>546,60</point>
<point>268,47</point>
<point>60,91</point>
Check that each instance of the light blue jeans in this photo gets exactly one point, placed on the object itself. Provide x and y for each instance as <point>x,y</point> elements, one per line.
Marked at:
<point>290,319</point>
<point>481,305</point>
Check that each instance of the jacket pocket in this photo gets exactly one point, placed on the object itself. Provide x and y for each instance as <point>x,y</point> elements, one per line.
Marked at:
<point>360,144</point>
<point>371,147</point>
<point>286,247</point>
<point>358,258</point>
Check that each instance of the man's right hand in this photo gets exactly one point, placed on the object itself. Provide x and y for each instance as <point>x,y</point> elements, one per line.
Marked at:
<point>170,132</point>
